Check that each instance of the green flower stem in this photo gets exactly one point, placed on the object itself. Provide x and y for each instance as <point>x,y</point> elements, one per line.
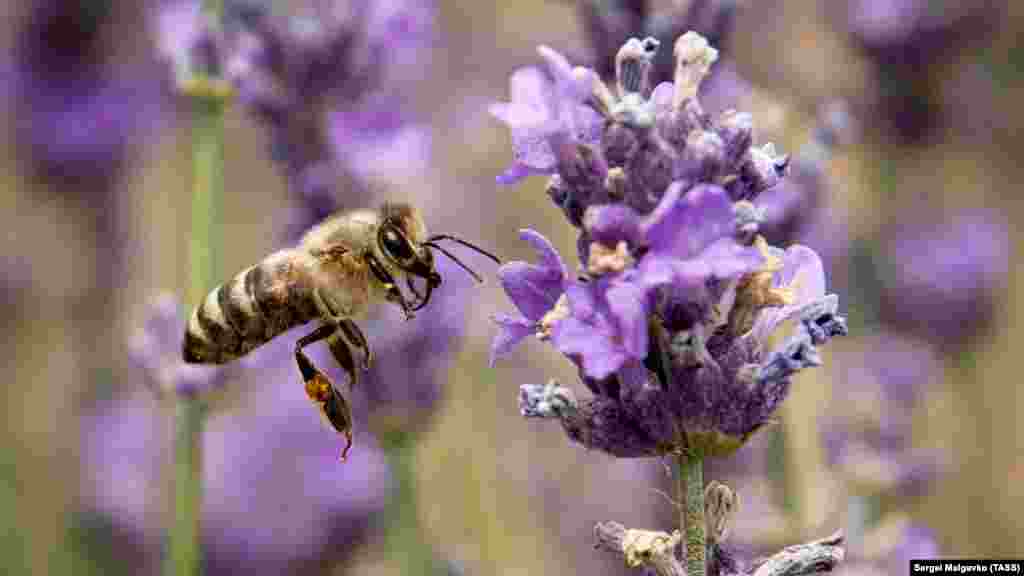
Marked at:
<point>404,535</point>
<point>184,554</point>
<point>691,491</point>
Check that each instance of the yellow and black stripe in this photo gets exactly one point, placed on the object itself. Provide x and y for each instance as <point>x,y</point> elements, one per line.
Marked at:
<point>253,307</point>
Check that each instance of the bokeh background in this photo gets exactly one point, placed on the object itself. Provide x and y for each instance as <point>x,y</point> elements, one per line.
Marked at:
<point>910,430</point>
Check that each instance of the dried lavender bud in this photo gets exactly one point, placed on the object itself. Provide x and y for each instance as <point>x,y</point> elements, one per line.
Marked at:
<point>633,66</point>
<point>720,505</point>
<point>548,401</point>
<point>748,221</point>
<point>620,144</point>
<point>694,57</point>
<point>737,132</point>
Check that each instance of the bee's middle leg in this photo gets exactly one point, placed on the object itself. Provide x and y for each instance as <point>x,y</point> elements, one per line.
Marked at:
<point>355,336</point>
<point>348,329</point>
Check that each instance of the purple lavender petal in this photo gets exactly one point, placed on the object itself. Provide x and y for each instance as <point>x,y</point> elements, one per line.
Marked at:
<point>610,224</point>
<point>683,225</point>
<point>511,331</point>
<point>534,289</point>
<point>530,119</point>
<point>546,251</point>
<point>514,173</point>
<point>726,259</point>
<point>591,343</point>
<point>803,273</point>
<point>627,301</point>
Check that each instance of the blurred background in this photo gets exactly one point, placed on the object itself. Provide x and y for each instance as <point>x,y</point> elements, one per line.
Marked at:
<point>908,438</point>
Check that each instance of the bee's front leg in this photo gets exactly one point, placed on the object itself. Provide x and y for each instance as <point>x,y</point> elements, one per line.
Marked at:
<point>392,293</point>
<point>332,404</point>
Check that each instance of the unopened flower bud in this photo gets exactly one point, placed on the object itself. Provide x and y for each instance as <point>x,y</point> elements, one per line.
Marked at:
<point>694,57</point>
<point>633,66</point>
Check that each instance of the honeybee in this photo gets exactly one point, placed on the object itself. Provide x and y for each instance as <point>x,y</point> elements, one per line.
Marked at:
<point>340,267</point>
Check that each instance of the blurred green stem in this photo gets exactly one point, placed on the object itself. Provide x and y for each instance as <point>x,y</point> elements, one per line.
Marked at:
<point>691,488</point>
<point>184,556</point>
<point>404,539</point>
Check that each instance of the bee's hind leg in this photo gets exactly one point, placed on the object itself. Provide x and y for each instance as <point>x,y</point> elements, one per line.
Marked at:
<point>339,346</point>
<point>332,404</point>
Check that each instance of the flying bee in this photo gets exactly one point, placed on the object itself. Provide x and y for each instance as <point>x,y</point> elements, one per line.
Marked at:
<point>340,267</point>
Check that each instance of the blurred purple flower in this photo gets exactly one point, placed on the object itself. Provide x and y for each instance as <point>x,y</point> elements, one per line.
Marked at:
<point>156,353</point>
<point>905,40</point>
<point>405,383</point>
<point>890,547</point>
<point>918,32</point>
<point>940,279</point>
<point>323,85</point>
<point>794,208</point>
<point>275,497</point>
<point>74,114</point>
<point>869,442</point>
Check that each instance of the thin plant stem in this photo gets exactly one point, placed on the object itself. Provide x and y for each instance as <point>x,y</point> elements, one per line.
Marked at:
<point>691,491</point>
<point>404,537</point>
<point>184,555</point>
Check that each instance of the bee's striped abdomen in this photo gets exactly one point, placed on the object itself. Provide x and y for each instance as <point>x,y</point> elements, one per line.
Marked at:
<point>253,307</point>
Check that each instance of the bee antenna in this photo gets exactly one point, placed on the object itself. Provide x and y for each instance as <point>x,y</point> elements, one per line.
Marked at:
<point>456,260</point>
<point>470,245</point>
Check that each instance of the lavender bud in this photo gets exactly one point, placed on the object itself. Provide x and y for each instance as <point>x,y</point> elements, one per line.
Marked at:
<point>720,506</point>
<point>620,144</point>
<point>748,219</point>
<point>703,159</point>
<point>694,57</point>
<point>650,174</point>
<point>616,184</point>
<point>760,169</point>
<point>583,168</point>
<point>737,131</point>
<point>633,66</point>
<point>687,348</point>
<point>547,401</point>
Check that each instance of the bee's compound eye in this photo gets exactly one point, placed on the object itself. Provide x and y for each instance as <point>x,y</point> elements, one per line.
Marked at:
<point>395,246</point>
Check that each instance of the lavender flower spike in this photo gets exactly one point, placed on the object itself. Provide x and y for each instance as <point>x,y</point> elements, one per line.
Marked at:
<point>675,325</point>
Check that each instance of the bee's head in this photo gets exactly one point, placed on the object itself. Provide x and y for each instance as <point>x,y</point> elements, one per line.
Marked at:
<point>402,239</point>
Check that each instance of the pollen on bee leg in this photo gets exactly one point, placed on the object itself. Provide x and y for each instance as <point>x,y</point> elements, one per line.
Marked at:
<point>318,388</point>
